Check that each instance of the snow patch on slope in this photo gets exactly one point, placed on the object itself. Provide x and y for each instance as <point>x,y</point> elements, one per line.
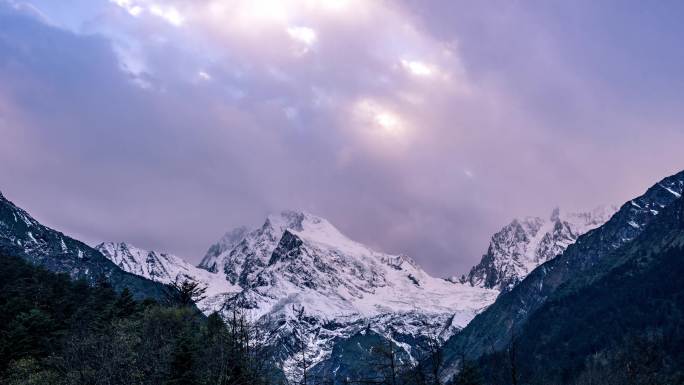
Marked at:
<point>297,262</point>
<point>526,243</point>
<point>168,268</point>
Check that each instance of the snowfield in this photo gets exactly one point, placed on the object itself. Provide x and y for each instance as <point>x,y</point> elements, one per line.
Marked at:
<point>297,261</point>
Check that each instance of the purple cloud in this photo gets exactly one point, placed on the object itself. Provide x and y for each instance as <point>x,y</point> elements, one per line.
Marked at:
<point>416,127</point>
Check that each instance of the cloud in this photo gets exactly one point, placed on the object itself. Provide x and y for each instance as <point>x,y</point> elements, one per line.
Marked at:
<point>169,14</point>
<point>417,68</point>
<point>416,127</point>
<point>304,35</point>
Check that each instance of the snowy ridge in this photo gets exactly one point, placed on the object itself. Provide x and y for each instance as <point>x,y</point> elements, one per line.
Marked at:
<point>26,232</point>
<point>524,244</point>
<point>299,258</point>
<point>297,263</point>
<point>167,268</point>
<point>23,236</point>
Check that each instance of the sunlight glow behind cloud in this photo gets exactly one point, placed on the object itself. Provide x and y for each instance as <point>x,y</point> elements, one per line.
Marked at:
<point>305,35</point>
<point>168,13</point>
<point>129,6</point>
<point>417,68</point>
<point>388,121</point>
<point>374,118</point>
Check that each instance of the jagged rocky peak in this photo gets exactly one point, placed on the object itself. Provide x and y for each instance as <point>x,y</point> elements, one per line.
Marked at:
<point>160,267</point>
<point>526,243</point>
<point>244,238</point>
<point>227,242</point>
<point>289,219</point>
<point>305,225</point>
<point>299,257</point>
<point>400,261</point>
<point>153,265</point>
<point>241,253</point>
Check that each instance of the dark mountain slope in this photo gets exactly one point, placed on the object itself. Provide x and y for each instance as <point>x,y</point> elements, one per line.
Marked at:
<point>492,329</point>
<point>621,322</point>
<point>23,236</point>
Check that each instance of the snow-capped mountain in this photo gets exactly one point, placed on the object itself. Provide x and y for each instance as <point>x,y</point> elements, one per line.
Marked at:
<point>299,258</point>
<point>297,261</point>
<point>226,243</point>
<point>298,272</point>
<point>149,264</point>
<point>168,268</point>
<point>524,244</point>
<point>514,308</point>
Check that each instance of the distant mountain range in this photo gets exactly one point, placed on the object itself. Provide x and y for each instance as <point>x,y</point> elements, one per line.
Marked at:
<point>298,262</point>
<point>314,288</point>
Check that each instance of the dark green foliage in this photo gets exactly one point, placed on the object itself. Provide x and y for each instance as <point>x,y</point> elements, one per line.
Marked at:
<point>125,305</point>
<point>184,361</point>
<point>469,375</point>
<point>57,332</point>
<point>185,293</point>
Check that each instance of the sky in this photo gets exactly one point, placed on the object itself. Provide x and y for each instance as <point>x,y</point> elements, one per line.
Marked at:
<point>415,126</point>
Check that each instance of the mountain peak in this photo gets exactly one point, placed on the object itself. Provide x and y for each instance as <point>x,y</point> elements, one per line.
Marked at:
<point>525,243</point>
<point>148,264</point>
<point>229,240</point>
<point>295,220</point>
<point>555,214</point>
<point>296,255</point>
<point>231,253</point>
<point>234,236</point>
<point>166,268</point>
<point>312,228</point>
<point>586,253</point>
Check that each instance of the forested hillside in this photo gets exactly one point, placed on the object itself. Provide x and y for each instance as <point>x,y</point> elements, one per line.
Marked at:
<point>54,331</point>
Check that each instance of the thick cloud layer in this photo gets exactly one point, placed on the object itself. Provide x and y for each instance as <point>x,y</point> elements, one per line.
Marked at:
<point>417,127</point>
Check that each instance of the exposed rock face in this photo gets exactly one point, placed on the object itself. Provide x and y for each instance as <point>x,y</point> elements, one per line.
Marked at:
<point>166,269</point>
<point>23,236</point>
<point>524,244</point>
<point>303,280</point>
<point>493,328</point>
<point>297,261</point>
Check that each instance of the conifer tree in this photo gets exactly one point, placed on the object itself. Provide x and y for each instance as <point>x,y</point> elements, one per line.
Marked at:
<point>125,305</point>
